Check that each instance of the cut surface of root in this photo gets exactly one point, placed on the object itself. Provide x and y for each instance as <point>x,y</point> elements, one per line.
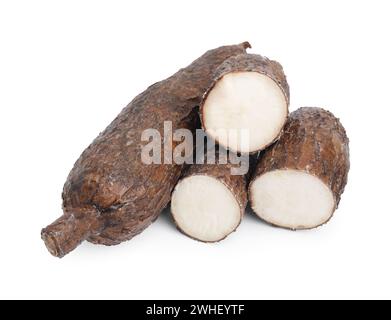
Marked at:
<point>245,101</point>
<point>204,208</point>
<point>292,199</point>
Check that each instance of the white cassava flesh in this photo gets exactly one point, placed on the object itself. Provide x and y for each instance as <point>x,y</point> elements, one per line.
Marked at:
<point>292,199</point>
<point>204,208</point>
<point>245,101</point>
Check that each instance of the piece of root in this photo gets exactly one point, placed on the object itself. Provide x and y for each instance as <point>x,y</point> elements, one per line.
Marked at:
<point>209,202</point>
<point>299,180</point>
<point>246,106</point>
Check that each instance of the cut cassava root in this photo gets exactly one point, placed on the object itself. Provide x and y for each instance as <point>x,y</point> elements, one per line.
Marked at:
<point>110,195</point>
<point>208,203</point>
<point>249,92</point>
<point>299,180</point>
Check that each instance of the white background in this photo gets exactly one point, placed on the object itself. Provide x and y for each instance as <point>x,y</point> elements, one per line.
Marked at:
<point>68,67</point>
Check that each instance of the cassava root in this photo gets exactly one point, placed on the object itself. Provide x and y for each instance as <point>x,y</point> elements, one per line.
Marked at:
<point>246,106</point>
<point>299,180</point>
<point>208,202</point>
<point>110,195</point>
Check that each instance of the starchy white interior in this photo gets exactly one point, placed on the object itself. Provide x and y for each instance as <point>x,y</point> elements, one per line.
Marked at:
<point>292,199</point>
<point>204,208</point>
<point>245,100</point>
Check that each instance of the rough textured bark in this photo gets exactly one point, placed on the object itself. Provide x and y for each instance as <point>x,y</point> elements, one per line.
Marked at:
<point>237,184</point>
<point>250,63</point>
<point>314,141</point>
<point>110,195</point>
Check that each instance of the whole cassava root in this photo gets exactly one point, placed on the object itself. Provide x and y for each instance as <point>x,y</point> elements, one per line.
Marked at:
<point>299,180</point>
<point>208,202</point>
<point>249,92</point>
<point>110,195</point>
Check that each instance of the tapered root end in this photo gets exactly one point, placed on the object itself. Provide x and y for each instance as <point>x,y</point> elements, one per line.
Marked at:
<point>67,232</point>
<point>51,243</point>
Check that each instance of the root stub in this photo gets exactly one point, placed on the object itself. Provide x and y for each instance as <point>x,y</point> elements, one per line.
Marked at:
<point>299,180</point>
<point>249,93</point>
<point>67,232</point>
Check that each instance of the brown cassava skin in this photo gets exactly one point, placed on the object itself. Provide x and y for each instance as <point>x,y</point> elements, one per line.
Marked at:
<point>110,195</point>
<point>250,63</point>
<point>222,172</point>
<point>314,141</point>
